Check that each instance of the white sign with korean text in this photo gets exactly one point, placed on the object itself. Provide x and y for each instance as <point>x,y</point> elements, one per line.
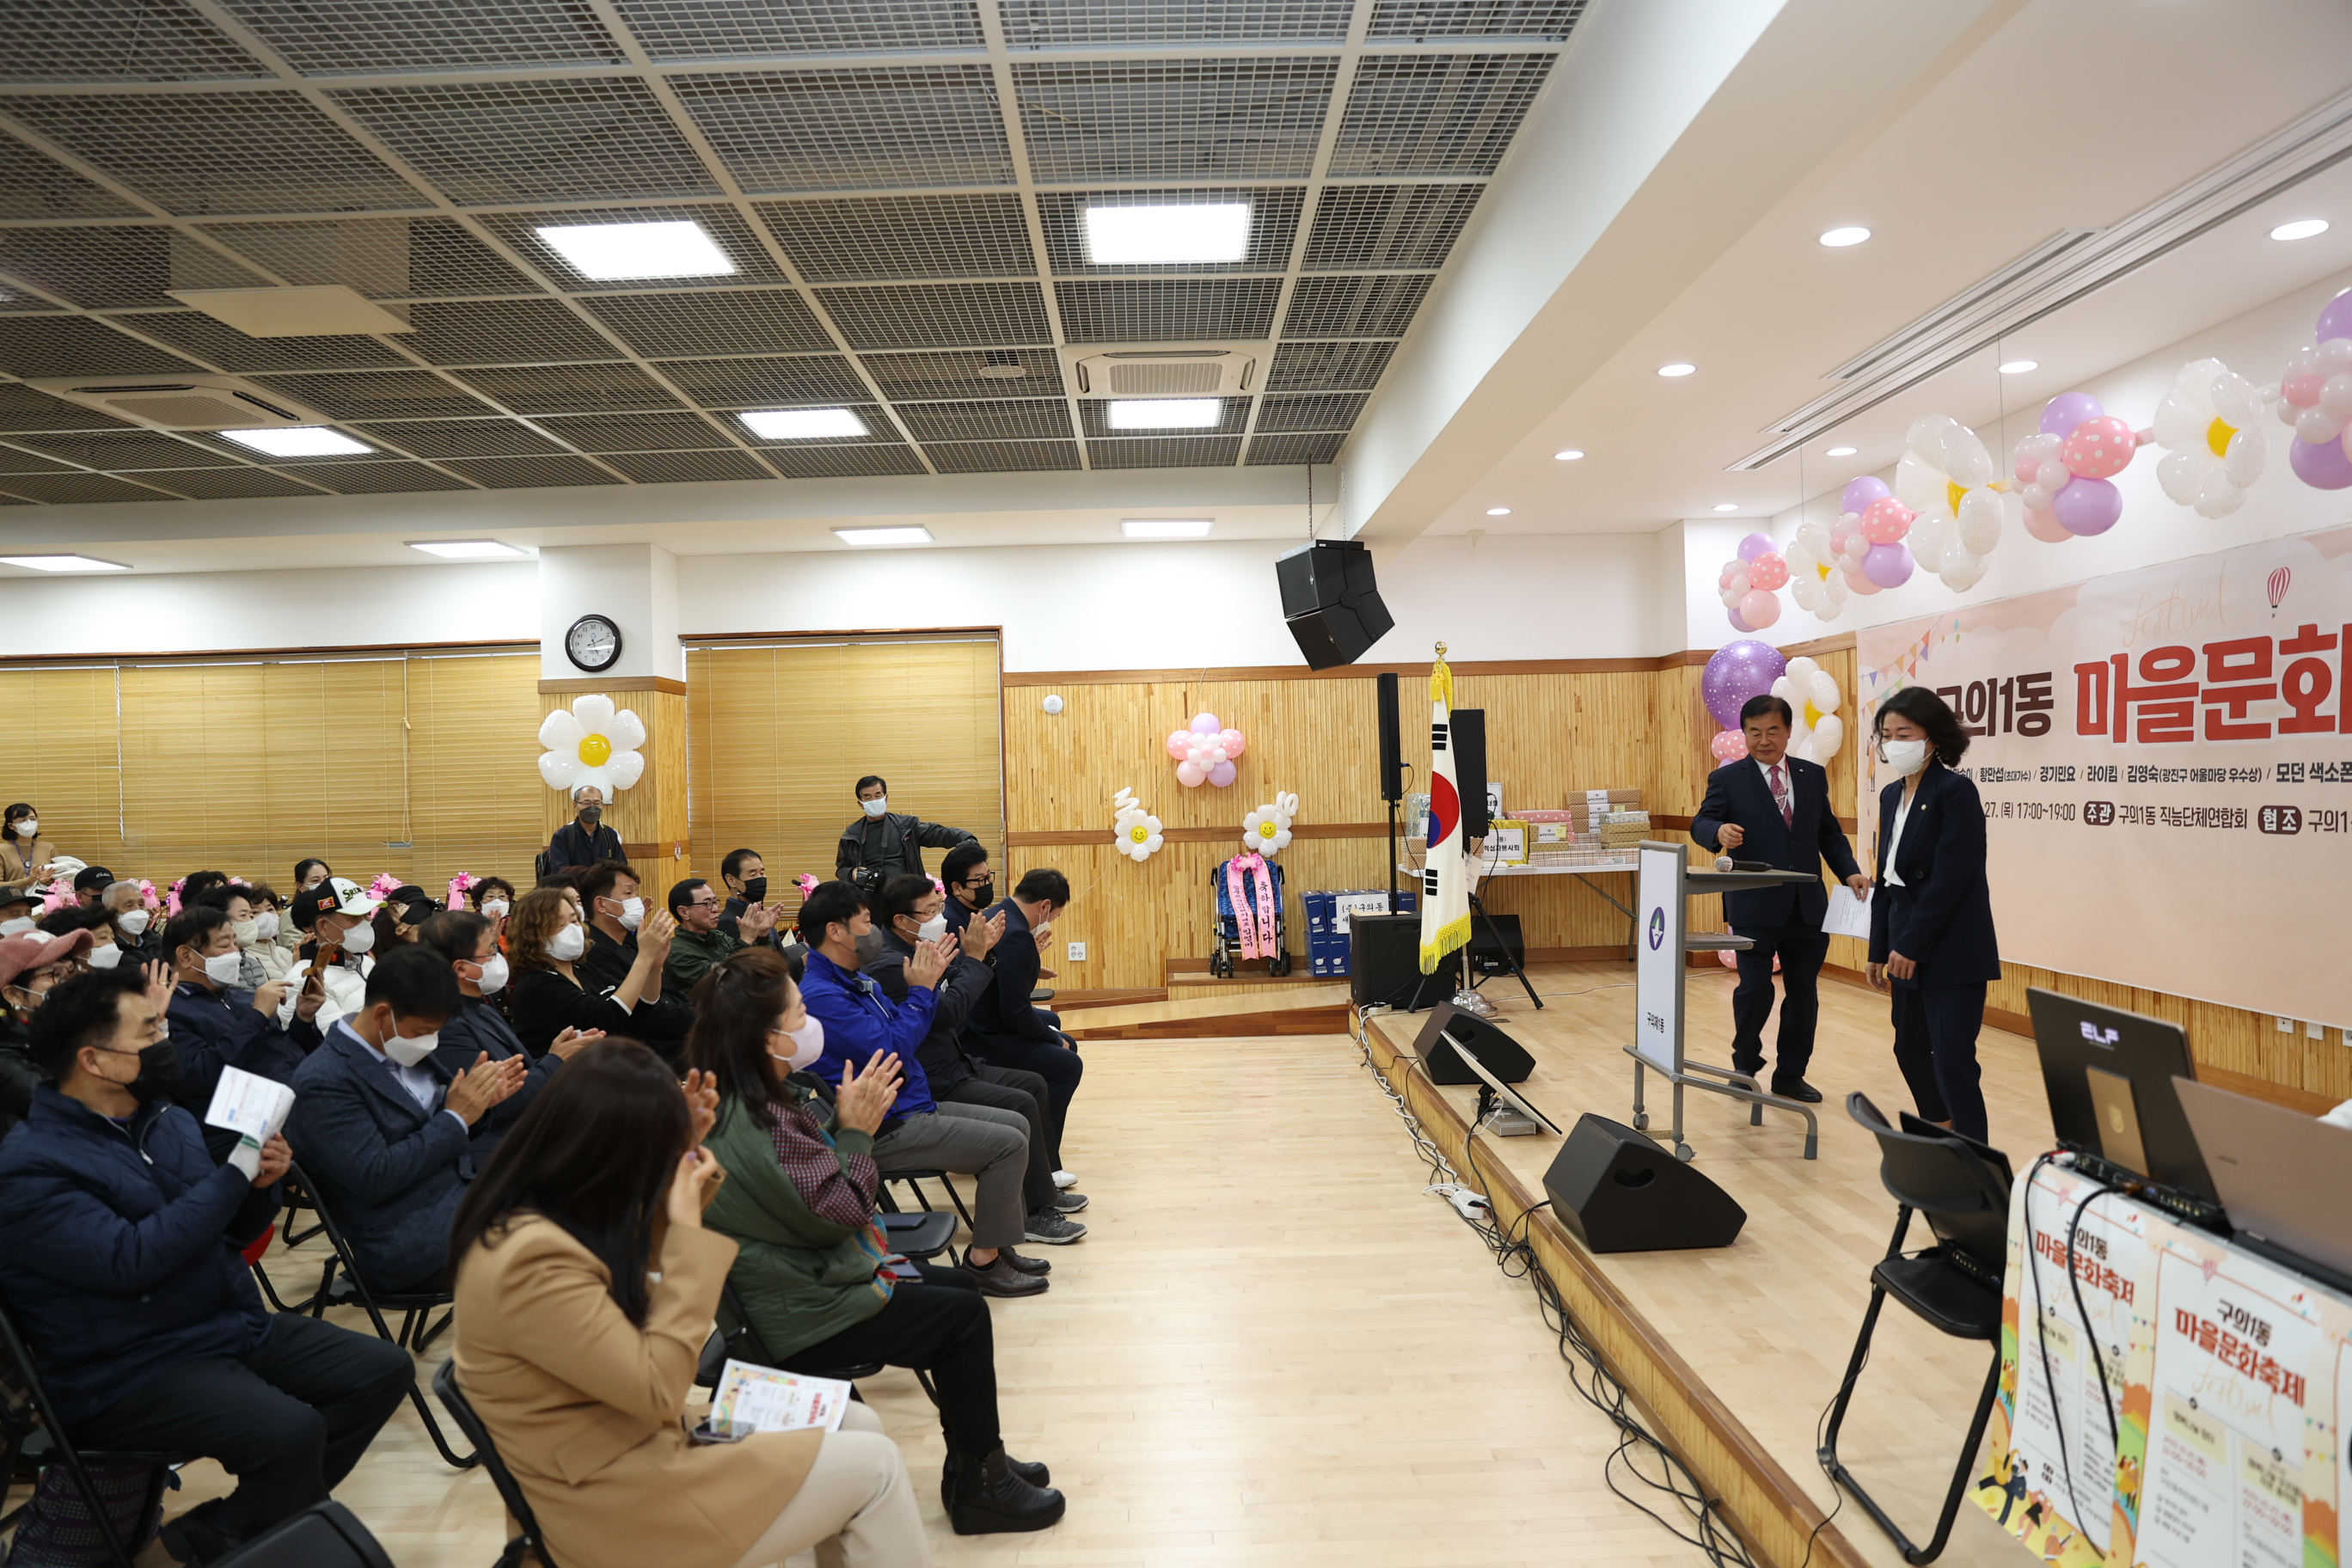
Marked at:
<point>1658,959</point>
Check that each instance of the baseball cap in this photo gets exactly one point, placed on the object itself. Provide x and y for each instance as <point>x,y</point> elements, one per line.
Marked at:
<point>91,877</point>
<point>335,895</point>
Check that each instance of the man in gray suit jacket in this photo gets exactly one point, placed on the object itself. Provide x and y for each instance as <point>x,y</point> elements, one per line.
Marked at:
<point>385,1133</point>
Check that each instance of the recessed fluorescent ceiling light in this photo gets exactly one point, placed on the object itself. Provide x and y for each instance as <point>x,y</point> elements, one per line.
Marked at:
<point>467,549</point>
<point>1498,511</point>
<point>1165,413</point>
<point>1841,451</point>
<point>915,535</point>
<point>1167,526</point>
<point>1144,237</point>
<point>299,441</point>
<point>1839,238</point>
<point>1727,506</point>
<point>802,424</point>
<point>2301,229</point>
<point>607,250</point>
<point>2019,367</point>
<point>1678,368</point>
<point>1570,456</point>
<point>64,564</point>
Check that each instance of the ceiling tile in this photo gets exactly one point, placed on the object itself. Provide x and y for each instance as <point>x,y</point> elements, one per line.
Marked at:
<point>227,484</point>
<point>1364,306</point>
<point>22,408</point>
<point>1419,20</point>
<point>710,322</point>
<point>1358,227</point>
<point>878,428</point>
<point>674,468</point>
<point>942,315</point>
<point>1008,417</point>
<point>531,473</point>
<point>127,450</point>
<point>382,257</point>
<point>855,240</point>
<point>1002,457</point>
<point>884,129</point>
<point>862,460</point>
<point>130,264</point>
<point>1074,23</point>
<point>678,31</point>
<point>352,37</point>
<point>103,40</point>
<point>378,395</point>
<point>1331,410</point>
<point>1173,120</point>
<point>767,383</point>
<point>578,139</point>
<point>502,331</point>
<point>1435,114</point>
<point>1232,417</point>
<point>571,389</point>
<point>459,437</point>
<point>736,238</point>
<point>1266,450</point>
<point>1167,310</point>
<point>1328,367</point>
<point>77,345</point>
<point>379,478</point>
<point>65,489</point>
<point>13,461</point>
<point>218,343</point>
<point>958,375</point>
<point>1273,227</point>
<point>1165,452</point>
<point>638,433</point>
<point>266,151</point>
<point>34,186</point>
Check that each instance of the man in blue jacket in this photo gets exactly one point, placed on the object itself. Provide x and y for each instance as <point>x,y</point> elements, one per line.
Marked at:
<point>216,1024</point>
<point>120,1239</point>
<point>383,1133</point>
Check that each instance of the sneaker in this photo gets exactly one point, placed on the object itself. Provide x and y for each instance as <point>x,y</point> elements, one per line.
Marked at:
<point>1065,1179</point>
<point>1001,1279</point>
<point>1024,1263</point>
<point>1070,1203</point>
<point>1053,1230</point>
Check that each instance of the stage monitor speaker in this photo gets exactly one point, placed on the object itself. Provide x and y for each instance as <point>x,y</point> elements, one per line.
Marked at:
<point>1330,601</point>
<point>1495,945</point>
<point>1384,964</point>
<point>1447,1026</point>
<point>1616,1191</point>
<point>1392,741</point>
<point>1469,739</point>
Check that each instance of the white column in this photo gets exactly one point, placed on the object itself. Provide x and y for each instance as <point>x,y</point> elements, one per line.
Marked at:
<point>633,585</point>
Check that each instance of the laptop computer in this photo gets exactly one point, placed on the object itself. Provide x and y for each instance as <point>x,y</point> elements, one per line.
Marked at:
<point>2109,1075</point>
<point>2281,1175</point>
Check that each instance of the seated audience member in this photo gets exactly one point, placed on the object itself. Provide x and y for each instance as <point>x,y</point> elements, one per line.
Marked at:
<point>230,899</point>
<point>620,927</point>
<point>469,941</point>
<point>584,840</point>
<point>811,1274</point>
<point>586,1285</point>
<point>269,924</point>
<point>24,854</point>
<point>309,872</point>
<point>122,1236</point>
<point>545,939</point>
<point>700,945</point>
<point>1006,1030</point>
<point>31,965</point>
<point>746,876</point>
<point>16,911</point>
<point>970,884</point>
<point>491,896</point>
<point>197,884</point>
<point>858,1023</point>
<point>882,842</point>
<point>383,1133</point>
<point>218,1024</point>
<point>136,931</point>
<point>396,920</point>
<point>89,884</point>
<point>340,920</point>
<point>907,913</point>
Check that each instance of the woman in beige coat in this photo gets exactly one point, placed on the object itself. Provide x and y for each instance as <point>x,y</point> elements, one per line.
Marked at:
<point>586,1286</point>
<point>24,854</point>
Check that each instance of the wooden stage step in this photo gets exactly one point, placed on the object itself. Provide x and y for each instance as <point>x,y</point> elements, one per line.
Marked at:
<point>1319,1008</point>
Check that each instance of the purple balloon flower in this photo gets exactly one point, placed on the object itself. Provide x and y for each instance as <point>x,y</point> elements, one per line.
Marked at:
<point>2087,506</point>
<point>1888,566</point>
<point>2068,409</point>
<point>2336,320</point>
<point>1755,545</point>
<point>1861,493</point>
<point>1738,671</point>
<point>2322,465</point>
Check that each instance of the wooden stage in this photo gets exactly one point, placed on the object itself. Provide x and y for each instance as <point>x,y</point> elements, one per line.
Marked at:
<point>1735,1351</point>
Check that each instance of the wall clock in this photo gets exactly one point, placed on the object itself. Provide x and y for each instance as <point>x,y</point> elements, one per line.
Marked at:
<point>593,644</point>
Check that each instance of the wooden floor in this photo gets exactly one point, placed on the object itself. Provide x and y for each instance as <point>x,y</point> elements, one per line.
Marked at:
<point>1272,1349</point>
<point>1768,1323</point>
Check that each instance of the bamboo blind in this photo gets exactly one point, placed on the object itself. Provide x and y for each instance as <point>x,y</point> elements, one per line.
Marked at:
<point>778,736</point>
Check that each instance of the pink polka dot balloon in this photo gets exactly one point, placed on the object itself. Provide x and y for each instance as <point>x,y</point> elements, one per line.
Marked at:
<point>1886,521</point>
<point>1769,571</point>
<point>2099,448</point>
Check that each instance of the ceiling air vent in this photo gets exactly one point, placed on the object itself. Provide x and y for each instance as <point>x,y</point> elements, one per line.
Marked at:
<point>183,402</point>
<point>1143,369</point>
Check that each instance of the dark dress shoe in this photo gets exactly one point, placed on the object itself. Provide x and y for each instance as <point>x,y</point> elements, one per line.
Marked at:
<point>987,1497</point>
<point>1024,1263</point>
<point>1001,1279</point>
<point>1032,1472</point>
<point>1796,1089</point>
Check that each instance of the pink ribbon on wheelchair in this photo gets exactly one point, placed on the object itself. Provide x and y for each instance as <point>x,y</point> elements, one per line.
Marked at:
<point>1257,935</point>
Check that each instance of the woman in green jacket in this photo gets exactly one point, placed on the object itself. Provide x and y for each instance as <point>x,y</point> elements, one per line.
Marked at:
<point>812,1272</point>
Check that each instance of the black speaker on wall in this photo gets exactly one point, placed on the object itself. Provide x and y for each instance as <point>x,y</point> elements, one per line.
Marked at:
<point>1616,1191</point>
<point>1330,601</point>
<point>1449,1030</point>
<point>1469,739</point>
<point>1392,740</point>
<point>1384,964</point>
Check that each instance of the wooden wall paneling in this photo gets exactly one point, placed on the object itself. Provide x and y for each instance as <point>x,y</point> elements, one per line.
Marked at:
<point>473,769</point>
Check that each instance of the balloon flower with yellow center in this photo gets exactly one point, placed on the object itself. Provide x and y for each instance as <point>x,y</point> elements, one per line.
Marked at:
<point>1266,830</point>
<point>1135,830</point>
<point>2214,451</point>
<point>592,743</point>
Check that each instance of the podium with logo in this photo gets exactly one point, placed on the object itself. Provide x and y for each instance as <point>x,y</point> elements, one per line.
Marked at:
<point>1664,884</point>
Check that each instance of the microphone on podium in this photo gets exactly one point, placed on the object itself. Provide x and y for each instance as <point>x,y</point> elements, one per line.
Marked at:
<point>1726,863</point>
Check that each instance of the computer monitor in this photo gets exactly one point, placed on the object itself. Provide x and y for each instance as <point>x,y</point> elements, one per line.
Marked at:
<point>2109,1075</point>
<point>2281,1173</point>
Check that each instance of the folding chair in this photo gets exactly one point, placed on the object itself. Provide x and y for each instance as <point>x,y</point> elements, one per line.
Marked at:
<point>743,1343</point>
<point>293,1198</point>
<point>531,1542</point>
<point>1954,1285</point>
<point>921,1237</point>
<point>32,1438</point>
<point>324,1535</point>
<point>343,1287</point>
<point>915,1180</point>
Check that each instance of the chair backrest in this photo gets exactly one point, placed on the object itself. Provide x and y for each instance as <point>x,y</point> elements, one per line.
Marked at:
<point>461,1410</point>
<point>744,1343</point>
<point>334,1233</point>
<point>1963,1197</point>
<point>324,1535</point>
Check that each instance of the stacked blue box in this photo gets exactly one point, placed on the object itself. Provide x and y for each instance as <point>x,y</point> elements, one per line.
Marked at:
<point>1327,914</point>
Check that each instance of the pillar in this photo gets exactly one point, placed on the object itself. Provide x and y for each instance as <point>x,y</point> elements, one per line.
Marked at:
<point>635,586</point>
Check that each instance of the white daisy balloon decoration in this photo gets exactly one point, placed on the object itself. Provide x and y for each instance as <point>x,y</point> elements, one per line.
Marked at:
<point>592,743</point>
<point>1266,830</point>
<point>2214,450</point>
<point>1138,831</point>
<point>1812,695</point>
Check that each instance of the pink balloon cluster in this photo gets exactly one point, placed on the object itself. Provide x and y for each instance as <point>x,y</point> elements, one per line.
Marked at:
<point>2315,397</point>
<point>1204,753</point>
<point>2062,470</point>
<point>1866,539</point>
<point>1729,745</point>
<point>1749,586</point>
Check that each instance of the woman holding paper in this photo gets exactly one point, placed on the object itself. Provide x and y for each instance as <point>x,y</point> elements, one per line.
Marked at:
<point>586,1285</point>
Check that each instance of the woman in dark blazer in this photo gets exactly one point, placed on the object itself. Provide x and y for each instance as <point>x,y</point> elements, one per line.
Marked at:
<point>1931,936</point>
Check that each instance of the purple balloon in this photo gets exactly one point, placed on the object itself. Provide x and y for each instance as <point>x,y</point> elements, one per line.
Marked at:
<point>2068,409</point>
<point>1888,566</point>
<point>1755,545</point>
<point>1861,493</point>
<point>1738,671</point>
<point>2087,506</point>
<point>1738,622</point>
<point>2322,465</point>
<point>1222,774</point>
<point>2336,320</point>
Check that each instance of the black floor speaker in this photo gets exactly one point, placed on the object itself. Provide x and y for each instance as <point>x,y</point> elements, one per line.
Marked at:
<point>1448,1027</point>
<point>1495,945</point>
<point>1616,1191</point>
<point>1384,964</point>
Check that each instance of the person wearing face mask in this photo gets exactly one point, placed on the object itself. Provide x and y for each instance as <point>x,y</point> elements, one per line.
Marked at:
<point>810,1270</point>
<point>338,917</point>
<point>309,872</point>
<point>882,842</point>
<point>1775,808</point>
<point>970,883</point>
<point>1932,944</point>
<point>229,898</point>
<point>700,945</point>
<point>584,840</point>
<point>136,931</point>
<point>622,929</point>
<point>16,911</point>
<point>122,1238</point>
<point>386,1132</point>
<point>545,942</point>
<point>31,965</point>
<point>1007,1029</point>
<point>492,897</point>
<point>266,911</point>
<point>217,1024</point>
<point>24,854</point>
<point>745,873</point>
<point>469,943</point>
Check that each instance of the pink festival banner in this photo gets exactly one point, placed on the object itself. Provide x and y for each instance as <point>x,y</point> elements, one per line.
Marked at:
<point>2165,757</point>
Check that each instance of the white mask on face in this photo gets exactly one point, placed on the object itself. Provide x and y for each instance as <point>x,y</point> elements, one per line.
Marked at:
<point>494,974</point>
<point>246,931</point>
<point>222,968</point>
<point>632,914</point>
<point>22,922</point>
<point>30,827</point>
<point>933,930</point>
<point>133,920</point>
<point>494,907</point>
<point>359,938</point>
<point>1904,758</point>
<point>876,807</point>
<point>265,925</point>
<point>105,957</point>
<point>567,944</point>
<point>410,1049</point>
<point>808,1044</point>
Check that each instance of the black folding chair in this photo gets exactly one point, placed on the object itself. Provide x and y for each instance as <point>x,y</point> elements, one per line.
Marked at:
<point>531,1542</point>
<point>343,1287</point>
<point>32,1439</point>
<point>1954,1285</point>
<point>324,1535</point>
<point>292,1199</point>
<point>921,1236</point>
<point>914,1179</point>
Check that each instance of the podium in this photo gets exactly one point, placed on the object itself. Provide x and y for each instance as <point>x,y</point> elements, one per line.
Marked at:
<point>1663,885</point>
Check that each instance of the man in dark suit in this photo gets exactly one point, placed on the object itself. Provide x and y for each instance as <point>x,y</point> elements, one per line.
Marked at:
<point>584,840</point>
<point>1773,807</point>
<point>1006,1029</point>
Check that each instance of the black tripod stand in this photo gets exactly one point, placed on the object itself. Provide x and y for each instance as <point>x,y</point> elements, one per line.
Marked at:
<point>1480,917</point>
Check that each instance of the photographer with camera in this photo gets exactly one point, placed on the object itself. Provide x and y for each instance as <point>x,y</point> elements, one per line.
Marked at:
<point>883,843</point>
